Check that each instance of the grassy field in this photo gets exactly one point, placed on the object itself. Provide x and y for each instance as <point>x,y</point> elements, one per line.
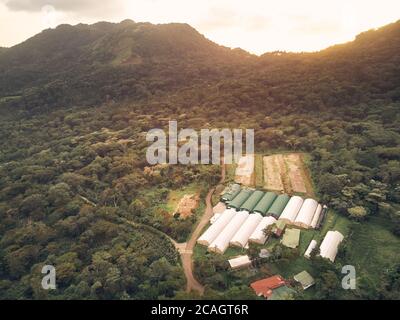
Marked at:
<point>176,195</point>
<point>258,171</point>
<point>372,249</point>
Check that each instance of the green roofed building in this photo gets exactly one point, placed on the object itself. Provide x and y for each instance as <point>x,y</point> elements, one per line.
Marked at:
<point>282,293</point>
<point>305,279</point>
<point>265,203</point>
<point>278,206</point>
<point>237,202</point>
<point>278,228</point>
<point>291,238</point>
<point>230,192</point>
<point>252,201</point>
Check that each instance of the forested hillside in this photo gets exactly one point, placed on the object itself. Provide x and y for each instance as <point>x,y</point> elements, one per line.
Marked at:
<point>76,102</point>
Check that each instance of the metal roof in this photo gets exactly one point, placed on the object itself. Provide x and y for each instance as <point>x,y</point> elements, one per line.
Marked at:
<point>252,201</point>
<point>278,205</point>
<point>265,203</point>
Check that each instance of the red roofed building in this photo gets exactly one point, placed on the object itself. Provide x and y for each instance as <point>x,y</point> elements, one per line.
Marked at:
<point>265,287</point>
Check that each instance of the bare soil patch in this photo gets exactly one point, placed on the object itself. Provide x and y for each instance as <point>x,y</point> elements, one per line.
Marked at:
<point>187,205</point>
<point>272,173</point>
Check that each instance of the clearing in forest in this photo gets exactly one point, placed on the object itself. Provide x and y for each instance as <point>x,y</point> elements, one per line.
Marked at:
<point>187,205</point>
<point>244,174</point>
<point>287,173</point>
<point>273,173</point>
<point>295,165</point>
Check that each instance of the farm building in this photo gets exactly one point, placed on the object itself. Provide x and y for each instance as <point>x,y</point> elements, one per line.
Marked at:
<point>242,236</point>
<point>215,217</point>
<point>311,247</point>
<point>277,207</point>
<point>306,213</point>
<point>240,262</point>
<point>291,210</point>
<point>330,244</point>
<point>316,217</point>
<point>230,192</point>
<point>258,235</point>
<point>282,293</point>
<point>237,202</point>
<point>279,228</point>
<point>291,238</point>
<point>322,217</point>
<point>252,201</point>
<point>219,208</point>
<point>215,229</point>
<point>266,286</point>
<point>265,203</point>
<point>221,242</point>
<point>305,279</point>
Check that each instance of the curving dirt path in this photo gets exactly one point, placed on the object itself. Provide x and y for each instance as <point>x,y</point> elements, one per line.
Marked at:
<point>186,249</point>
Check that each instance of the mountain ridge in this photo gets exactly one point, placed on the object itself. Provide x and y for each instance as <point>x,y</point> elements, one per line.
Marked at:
<point>95,63</point>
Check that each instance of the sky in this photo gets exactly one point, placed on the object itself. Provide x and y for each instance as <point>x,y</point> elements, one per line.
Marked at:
<point>257,26</point>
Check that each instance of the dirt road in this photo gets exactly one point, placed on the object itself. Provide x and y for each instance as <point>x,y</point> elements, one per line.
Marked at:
<point>186,249</point>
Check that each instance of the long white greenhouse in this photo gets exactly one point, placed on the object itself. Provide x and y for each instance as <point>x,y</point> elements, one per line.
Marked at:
<point>330,244</point>
<point>306,213</point>
<point>221,242</point>
<point>292,209</point>
<point>258,235</point>
<point>215,229</point>
<point>317,214</point>
<point>242,236</point>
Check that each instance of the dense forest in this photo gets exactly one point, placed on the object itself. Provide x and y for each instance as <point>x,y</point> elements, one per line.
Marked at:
<point>76,190</point>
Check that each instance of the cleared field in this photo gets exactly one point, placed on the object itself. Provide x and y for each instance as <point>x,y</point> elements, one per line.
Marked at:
<point>294,165</point>
<point>272,173</point>
<point>287,173</point>
<point>245,171</point>
<point>187,205</point>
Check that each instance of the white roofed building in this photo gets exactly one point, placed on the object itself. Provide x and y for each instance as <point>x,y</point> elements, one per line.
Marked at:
<point>311,247</point>
<point>215,229</point>
<point>291,210</point>
<point>306,213</point>
<point>221,242</point>
<point>258,235</point>
<point>242,236</point>
<point>330,244</point>
<point>317,214</point>
<point>240,262</point>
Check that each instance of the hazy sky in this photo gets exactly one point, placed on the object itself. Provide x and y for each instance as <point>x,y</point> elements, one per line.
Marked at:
<point>254,25</point>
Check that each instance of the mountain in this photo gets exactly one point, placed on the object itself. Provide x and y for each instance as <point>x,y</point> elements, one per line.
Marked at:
<point>91,64</point>
<point>77,193</point>
<point>87,63</point>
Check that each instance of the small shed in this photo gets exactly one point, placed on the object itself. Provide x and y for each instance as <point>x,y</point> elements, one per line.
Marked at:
<point>230,192</point>
<point>220,207</point>
<point>291,238</point>
<point>311,247</point>
<point>266,286</point>
<point>305,279</point>
<point>240,262</point>
<point>279,228</point>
